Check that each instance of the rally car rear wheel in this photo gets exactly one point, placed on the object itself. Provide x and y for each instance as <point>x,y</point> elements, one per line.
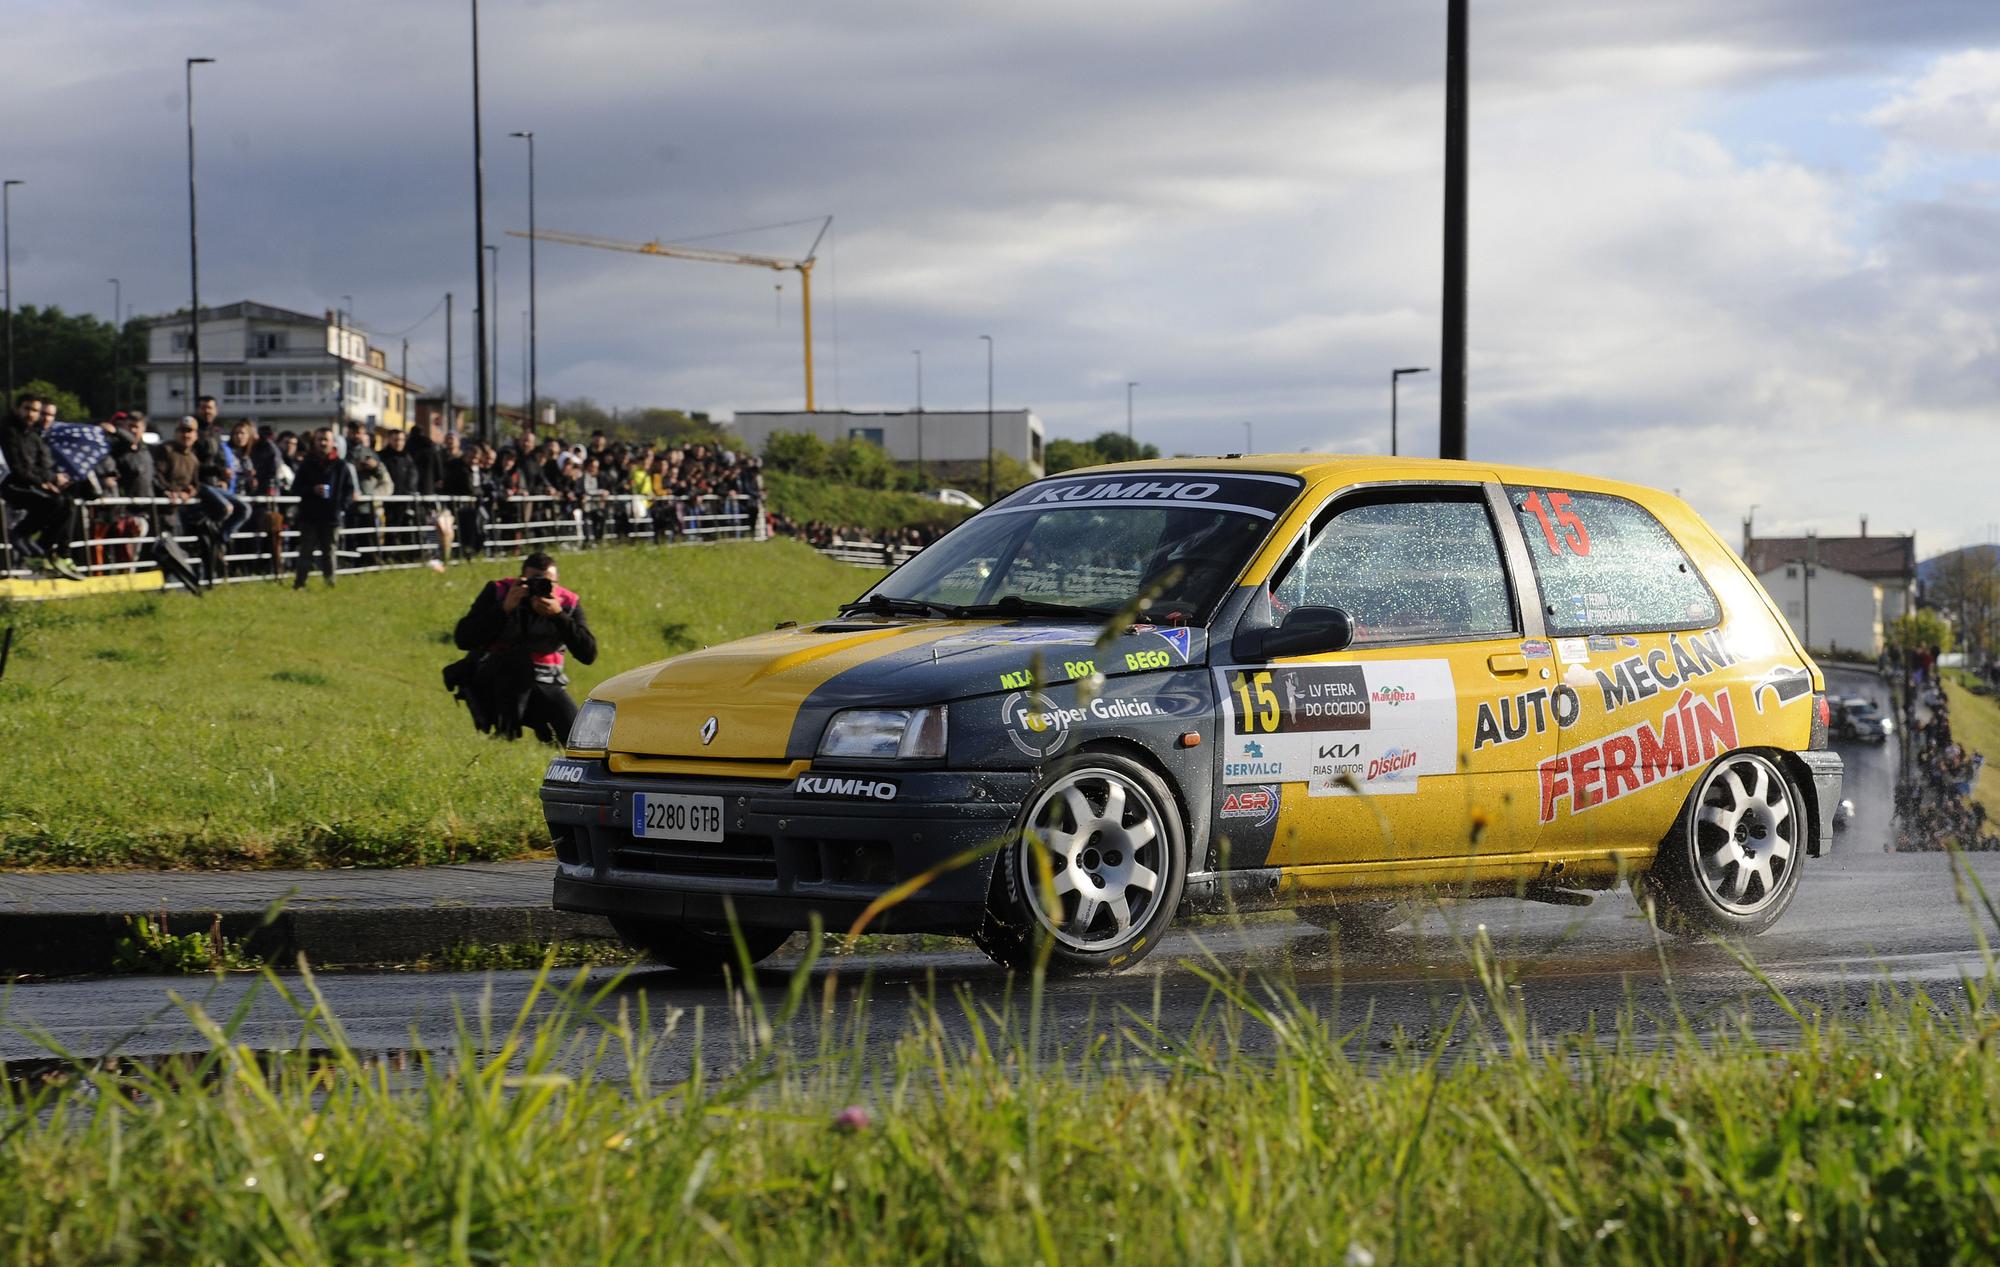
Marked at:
<point>1094,873</point>
<point>1731,864</point>
<point>696,949</point>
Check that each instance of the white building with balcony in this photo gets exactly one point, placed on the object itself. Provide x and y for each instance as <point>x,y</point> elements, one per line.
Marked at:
<point>276,366</point>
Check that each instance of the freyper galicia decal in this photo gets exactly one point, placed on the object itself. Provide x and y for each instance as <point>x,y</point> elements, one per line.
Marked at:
<point>1339,728</point>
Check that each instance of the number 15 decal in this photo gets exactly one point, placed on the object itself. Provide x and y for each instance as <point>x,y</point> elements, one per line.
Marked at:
<point>1574,533</point>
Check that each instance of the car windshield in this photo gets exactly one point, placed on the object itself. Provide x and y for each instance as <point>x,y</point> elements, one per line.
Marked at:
<point>1088,546</point>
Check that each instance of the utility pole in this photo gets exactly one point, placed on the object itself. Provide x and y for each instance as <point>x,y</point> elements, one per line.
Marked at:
<point>1129,435</point>
<point>1451,406</point>
<point>409,414</point>
<point>534,325</point>
<point>194,249</point>
<point>918,353</point>
<point>117,330</point>
<point>989,417</point>
<point>485,422</point>
<point>450,405</point>
<point>7,251</point>
<point>1806,575</point>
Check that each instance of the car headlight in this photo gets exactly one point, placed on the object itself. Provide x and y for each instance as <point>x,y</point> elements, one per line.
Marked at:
<point>591,731</point>
<point>885,734</point>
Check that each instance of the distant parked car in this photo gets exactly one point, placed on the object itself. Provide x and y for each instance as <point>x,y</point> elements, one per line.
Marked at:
<point>1860,719</point>
<point>954,497</point>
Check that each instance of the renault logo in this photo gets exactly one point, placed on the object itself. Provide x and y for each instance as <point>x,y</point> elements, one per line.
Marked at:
<point>708,729</point>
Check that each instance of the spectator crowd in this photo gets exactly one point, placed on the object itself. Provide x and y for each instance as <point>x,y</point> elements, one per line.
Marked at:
<point>412,494</point>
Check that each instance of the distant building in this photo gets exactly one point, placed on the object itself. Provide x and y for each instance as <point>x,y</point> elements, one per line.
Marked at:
<point>1890,563</point>
<point>285,368</point>
<point>948,436</point>
<point>1829,609</point>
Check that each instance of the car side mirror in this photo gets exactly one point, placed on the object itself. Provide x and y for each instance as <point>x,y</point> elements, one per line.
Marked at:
<point>1305,631</point>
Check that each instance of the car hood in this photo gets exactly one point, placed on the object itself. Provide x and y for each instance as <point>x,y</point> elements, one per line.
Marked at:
<point>771,694</point>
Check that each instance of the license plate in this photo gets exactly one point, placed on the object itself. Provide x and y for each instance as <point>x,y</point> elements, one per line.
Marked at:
<point>657,817</point>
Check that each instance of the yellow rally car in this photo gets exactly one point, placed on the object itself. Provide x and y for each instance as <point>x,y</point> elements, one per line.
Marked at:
<point>1121,693</point>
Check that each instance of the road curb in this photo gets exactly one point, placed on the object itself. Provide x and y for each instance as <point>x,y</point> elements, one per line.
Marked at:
<point>84,943</point>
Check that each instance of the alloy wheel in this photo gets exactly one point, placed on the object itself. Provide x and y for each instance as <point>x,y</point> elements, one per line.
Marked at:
<point>1100,834</point>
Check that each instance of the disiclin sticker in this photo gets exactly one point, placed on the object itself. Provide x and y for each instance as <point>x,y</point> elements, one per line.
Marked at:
<point>1573,648</point>
<point>1535,649</point>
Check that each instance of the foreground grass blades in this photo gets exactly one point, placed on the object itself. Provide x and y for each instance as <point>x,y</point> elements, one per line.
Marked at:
<point>265,728</point>
<point>546,1138</point>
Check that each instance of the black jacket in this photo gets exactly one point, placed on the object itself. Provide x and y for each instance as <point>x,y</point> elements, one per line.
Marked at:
<point>428,462</point>
<point>27,452</point>
<point>402,471</point>
<point>132,461</point>
<point>522,634</point>
<point>338,478</point>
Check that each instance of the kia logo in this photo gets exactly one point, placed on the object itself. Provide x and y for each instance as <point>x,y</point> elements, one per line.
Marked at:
<point>708,729</point>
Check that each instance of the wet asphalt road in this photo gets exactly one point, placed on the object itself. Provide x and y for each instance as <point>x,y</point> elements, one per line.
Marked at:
<point>1864,918</point>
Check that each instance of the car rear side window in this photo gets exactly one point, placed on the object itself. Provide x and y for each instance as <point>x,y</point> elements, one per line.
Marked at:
<point>1606,565</point>
<point>1422,568</point>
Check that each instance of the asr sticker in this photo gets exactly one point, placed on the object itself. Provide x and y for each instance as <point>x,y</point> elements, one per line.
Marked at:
<point>1259,804</point>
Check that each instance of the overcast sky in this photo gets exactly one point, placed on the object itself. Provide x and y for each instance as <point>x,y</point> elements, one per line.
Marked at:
<point>1746,249</point>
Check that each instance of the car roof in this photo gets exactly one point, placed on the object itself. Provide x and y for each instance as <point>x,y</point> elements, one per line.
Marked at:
<point>1316,468</point>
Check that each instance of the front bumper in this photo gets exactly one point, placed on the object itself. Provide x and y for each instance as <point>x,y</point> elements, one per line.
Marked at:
<point>1825,769</point>
<point>784,857</point>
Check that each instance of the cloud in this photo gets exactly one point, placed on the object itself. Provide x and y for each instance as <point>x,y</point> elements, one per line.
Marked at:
<point>1235,204</point>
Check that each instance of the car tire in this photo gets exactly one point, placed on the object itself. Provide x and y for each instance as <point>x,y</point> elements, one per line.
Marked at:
<point>1358,925</point>
<point>1111,832</point>
<point>1731,863</point>
<point>696,949</point>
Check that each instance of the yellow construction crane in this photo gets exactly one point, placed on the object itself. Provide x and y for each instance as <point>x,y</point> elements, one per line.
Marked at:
<point>803,267</point>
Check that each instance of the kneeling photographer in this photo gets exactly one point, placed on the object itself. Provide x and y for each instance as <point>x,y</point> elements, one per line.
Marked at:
<point>516,632</point>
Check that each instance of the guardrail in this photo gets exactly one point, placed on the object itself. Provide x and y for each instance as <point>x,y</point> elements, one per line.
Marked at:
<point>872,554</point>
<point>398,531</point>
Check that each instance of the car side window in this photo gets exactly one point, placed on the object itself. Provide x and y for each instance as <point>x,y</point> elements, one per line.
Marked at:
<point>1606,565</point>
<point>1422,568</point>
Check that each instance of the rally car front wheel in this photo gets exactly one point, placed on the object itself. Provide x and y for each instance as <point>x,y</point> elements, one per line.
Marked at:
<point>1094,872</point>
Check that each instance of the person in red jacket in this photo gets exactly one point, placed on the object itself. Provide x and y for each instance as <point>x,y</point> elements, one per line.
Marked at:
<point>521,626</point>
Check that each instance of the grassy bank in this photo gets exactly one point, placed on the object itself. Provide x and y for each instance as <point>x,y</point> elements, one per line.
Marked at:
<point>1975,723</point>
<point>573,1137</point>
<point>803,500</point>
<point>258,726</point>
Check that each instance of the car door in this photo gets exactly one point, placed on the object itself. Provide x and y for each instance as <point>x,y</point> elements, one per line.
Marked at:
<point>1421,739</point>
<point>1639,641</point>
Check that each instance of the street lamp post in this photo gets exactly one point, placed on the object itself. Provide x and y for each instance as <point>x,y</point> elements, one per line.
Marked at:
<point>117,307</point>
<point>1395,382</point>
<point>989,417</point>
<point>485,420</point>
<point>491,320</point>
<point>1131,439</point>
<point>1249,437</point>
<point>918,353</point>
<point>7,251</point>
<point>534,327</point>
<point>194,249</point>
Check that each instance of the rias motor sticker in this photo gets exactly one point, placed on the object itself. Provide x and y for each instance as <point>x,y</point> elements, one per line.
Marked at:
<point>1372,727</point>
